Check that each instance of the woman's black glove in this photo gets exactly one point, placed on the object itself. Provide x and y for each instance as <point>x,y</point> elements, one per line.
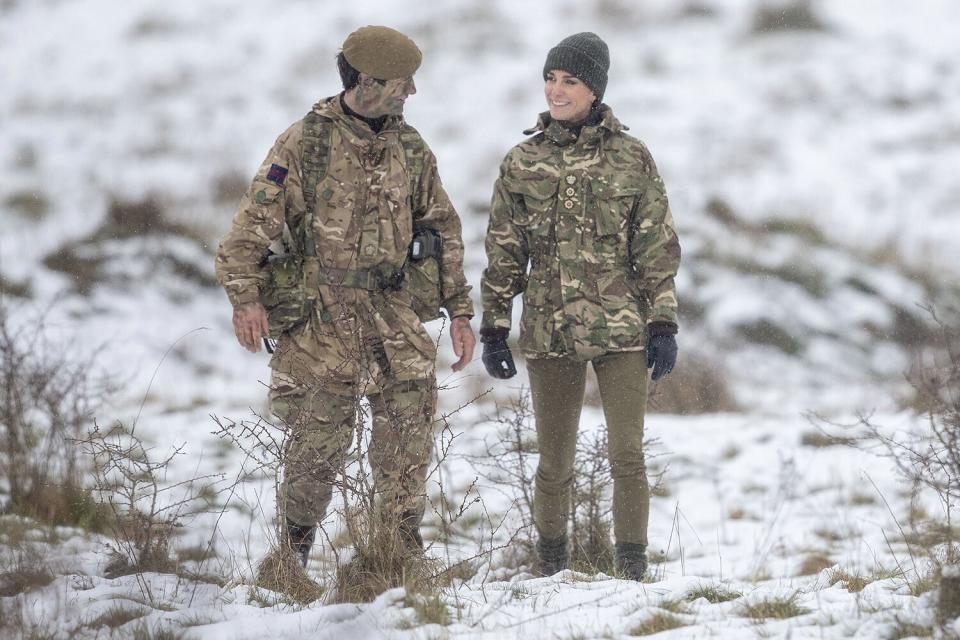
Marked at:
<point>661,348</point>
<point>496,354</point>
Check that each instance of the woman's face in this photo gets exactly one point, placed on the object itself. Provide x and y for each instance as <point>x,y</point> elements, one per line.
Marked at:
<point>567,97</point>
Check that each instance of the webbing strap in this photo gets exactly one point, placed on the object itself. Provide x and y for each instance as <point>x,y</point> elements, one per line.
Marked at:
<point>316,159</point>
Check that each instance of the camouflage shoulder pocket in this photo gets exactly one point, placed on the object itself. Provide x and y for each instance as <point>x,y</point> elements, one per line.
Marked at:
<point>285,295</point>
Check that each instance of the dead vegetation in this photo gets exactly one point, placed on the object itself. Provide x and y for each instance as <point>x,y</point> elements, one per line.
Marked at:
<point>86,260</point>
<point>48,397</point>
<point>785,16</point>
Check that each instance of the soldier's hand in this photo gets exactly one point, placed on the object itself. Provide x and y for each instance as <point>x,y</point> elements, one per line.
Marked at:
<point>661,355</point>
<point>250,324</point>
<point>464,341</point>
<point>496,354</point>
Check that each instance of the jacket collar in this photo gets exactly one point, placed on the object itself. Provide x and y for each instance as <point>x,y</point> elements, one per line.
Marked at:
<point>359,131</point>
<point>557,133</point>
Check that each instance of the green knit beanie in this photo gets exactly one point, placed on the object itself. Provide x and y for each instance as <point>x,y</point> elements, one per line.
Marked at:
<point>585,56</point>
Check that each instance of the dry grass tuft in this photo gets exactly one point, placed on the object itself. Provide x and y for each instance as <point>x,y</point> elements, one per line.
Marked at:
<point>281,572</point>
<point>26,575</point>
<point>373,570</point>
<point>813,564</point>
<point>430,609</point>
<point>779,608</point>
<point>713,594</point>
<point>855,583</point>
<point>115,616</point>
<point>657,623</point>
<point>819,439</point>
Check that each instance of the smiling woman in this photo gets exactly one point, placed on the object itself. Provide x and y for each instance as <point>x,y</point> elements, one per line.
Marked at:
<point>580,226</point>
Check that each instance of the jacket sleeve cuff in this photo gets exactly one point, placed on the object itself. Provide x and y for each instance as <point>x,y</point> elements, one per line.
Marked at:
<point>459,306</point>
<point>661,328</point>
<point>243,296</point>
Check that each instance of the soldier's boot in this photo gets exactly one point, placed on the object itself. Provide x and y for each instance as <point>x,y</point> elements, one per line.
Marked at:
<point>630,560</point>
<point>300,539</point>
<point>409,530</point>
<point>552,555</point>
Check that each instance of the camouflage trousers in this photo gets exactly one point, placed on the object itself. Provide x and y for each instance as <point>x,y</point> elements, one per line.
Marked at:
<point>557,387</point>
<point>321,427</point>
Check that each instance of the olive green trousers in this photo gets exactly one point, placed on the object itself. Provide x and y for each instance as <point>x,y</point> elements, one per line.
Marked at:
<point>557,387</point>
<point>320,430</point>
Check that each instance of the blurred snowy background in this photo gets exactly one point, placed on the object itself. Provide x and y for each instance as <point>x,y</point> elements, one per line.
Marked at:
<point>810,151</point>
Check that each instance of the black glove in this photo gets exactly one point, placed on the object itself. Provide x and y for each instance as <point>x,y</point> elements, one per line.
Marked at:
<point>496,354</point>
<point>661,348</point>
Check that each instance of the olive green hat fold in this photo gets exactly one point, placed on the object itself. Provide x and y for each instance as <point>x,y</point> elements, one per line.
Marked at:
<point>382,53</point>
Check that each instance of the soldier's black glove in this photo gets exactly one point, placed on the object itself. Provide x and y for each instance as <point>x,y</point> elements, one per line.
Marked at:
<point>496,354</point>
<point>661,348</point>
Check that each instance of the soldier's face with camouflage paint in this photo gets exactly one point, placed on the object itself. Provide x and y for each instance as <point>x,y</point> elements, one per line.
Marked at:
<point>377,98</point>
<point>568,98</point>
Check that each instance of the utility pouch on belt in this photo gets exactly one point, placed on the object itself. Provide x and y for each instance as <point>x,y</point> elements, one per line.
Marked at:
<point>422,273</point>
<point>285,295</point>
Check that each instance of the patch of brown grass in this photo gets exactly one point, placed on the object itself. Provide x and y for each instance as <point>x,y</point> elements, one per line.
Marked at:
<point>25,575</point>
<point>280,571</point>
<point>813,564</point>
<point>855,583</point>
<point>695,386</point>
<point>780,608</point>
<point>116,616</point>
<point>819,439</point>
<point>657,623</point>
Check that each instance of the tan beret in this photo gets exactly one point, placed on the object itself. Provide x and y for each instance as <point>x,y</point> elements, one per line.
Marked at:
<point>382,53</point>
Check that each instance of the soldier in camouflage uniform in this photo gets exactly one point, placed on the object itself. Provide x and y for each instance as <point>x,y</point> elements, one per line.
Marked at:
<point>377,181</point>
<point>581,203</point>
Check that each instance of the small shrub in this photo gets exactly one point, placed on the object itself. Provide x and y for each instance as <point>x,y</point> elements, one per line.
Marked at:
<point>657,623</point>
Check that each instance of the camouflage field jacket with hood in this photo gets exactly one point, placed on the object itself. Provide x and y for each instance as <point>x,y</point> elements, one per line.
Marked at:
<point>589,216</point>
<point>364,210</point>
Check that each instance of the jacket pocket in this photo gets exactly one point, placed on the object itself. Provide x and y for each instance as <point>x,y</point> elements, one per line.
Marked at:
<point>614,197</point>
<point>537,196</point>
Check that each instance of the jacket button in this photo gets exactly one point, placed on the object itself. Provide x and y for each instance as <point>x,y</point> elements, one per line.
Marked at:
<point>570,191</point>
<point>571,179</point>
<point>370,250</point>
<point>568,204</point>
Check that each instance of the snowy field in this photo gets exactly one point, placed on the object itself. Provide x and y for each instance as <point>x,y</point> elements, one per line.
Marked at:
<point>812,176</point>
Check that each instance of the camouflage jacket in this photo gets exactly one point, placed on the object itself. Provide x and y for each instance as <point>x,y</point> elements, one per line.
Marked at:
<point>590,217</point>
<point>364,213</point>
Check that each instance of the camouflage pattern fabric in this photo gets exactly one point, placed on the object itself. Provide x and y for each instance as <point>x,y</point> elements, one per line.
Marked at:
<point>590,217</point>
<point>321,427</point>
<point>365,208</point>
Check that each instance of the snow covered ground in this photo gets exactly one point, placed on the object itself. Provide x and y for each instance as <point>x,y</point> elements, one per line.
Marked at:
<point>812,175</point>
